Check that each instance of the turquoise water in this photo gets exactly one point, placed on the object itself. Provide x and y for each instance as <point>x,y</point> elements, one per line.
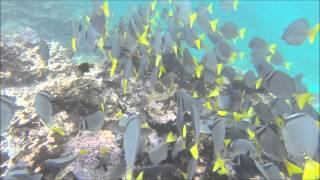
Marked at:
<point>266,19</point>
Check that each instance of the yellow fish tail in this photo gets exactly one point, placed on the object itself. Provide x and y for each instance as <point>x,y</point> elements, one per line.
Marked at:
<point>313,33</point>
<point>219,68</point>
<point>74,44</point>
<point>235,4</point>
<point>125,83</point>
<point>210,8</point>
<point>198,43</point>
<point>214,24</point>
<point>242,33</point>
<point>272,48</point>
<point>192,18</point>
<point>105,8</point>
<point>114,66</point>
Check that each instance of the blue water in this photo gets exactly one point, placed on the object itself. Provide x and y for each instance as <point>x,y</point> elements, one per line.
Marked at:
<point>266,19</point>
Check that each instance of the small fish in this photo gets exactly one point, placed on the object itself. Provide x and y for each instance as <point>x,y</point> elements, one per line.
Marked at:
<point>229,5</point>
<point>229,30</point>
<point>44,51</point>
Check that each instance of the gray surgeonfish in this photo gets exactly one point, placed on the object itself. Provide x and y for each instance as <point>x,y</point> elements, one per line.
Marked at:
<point>95,121</point>
<point>158,153</point>
<point>131,139</point>
<point>43,106</point>
<point>300,135</point>
<point>280,84</point>
<point>296,32</point>
<point>229,30</point>
<point>7,111</point>
<point>271,144</point>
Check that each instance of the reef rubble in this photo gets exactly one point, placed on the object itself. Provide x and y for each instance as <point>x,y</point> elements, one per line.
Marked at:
<point>74,97</point>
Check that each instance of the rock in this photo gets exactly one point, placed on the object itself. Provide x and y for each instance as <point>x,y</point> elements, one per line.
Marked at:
<point>94,143</point>
<point>162,113</point>
<point>65,121</point>
<point>20,65</point>
<point>76,94</point>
